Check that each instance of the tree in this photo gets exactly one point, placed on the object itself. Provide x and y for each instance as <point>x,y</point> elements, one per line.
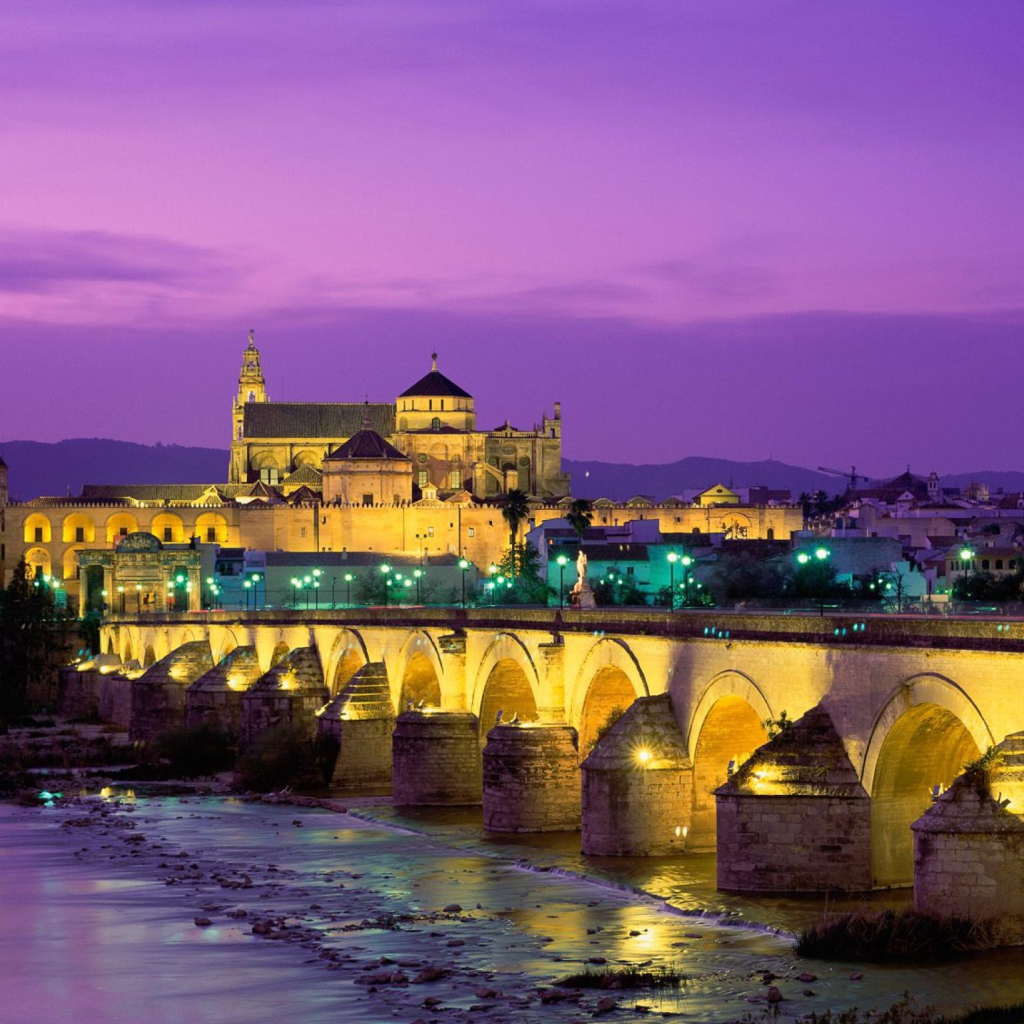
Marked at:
<point>515,508</point>
<point>34,639</point>
<point>527,587</point>
<point>744,577</point>
<point>617,588</point>
<point>580,516</point>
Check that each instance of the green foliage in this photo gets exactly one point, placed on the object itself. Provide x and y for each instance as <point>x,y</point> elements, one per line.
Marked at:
<point>527,585</point>
<point>631,977</point>
<point>286,757</point>
<point>610,719</point>
<point>580,515</point>
<point>34,641</point>
<point>776,726</point>
<point>617,588</point>
<point>195,750</point>
<point>515,508</point>
<point>745,576</point>
<point>904,1011</point>
<point>986,587</point>
<point>894,935</point>
<point>980,769</point>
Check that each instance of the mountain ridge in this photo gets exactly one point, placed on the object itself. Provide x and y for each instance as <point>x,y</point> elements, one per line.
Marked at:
<point>56,468</point>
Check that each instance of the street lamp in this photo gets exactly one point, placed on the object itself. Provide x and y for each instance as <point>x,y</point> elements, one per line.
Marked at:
<point>562,560</point>
<point>255,591</point>
<point>672,559</point>
<point>418,573</point>
<point>821,555</point>
<point>966,554</point>
<point>248,586</point>
<point>348,589</point>
<point>463,565</point>
<point>686,561</point>
<point>385,569</point>
<point>296,586</point>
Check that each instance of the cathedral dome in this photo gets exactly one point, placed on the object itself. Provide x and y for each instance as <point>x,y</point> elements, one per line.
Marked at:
<point>435,385</point>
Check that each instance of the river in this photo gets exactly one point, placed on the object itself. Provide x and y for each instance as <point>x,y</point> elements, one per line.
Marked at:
<point>100,901</point>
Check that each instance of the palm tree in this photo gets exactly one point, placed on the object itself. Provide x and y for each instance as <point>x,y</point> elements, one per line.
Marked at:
<point>515,508</point>
<point>580,516</point>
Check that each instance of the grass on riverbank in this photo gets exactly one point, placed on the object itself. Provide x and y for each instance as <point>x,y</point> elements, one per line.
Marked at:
<point>887,935</point>
<point>624,978</point>
<point>903,1012</point>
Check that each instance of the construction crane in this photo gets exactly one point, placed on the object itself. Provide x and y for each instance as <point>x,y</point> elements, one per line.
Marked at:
<point>853,476</point>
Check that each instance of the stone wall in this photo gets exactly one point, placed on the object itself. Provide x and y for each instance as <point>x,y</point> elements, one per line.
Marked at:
<point>637,785</point>
<point>794,817</point>
<point>531,779</point>
<point>115,700</point>
<point>436,759</point>
<point>793,843</point>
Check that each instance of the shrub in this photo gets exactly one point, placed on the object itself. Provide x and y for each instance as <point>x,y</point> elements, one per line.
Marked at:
<point>286,756</point>
<point>202,749</point>
<point>893,935</point>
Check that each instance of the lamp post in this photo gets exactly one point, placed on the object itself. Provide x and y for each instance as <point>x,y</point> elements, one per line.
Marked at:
<point>966,554</point>
<point>385,569</point>
<point>821,555</point>
<point>248,586</point>
<point>672,559</point>
<point>296,584</point>
<point>255,591</point>
<point>463,565</point>
<point>418,574</point>
<point>686,562</point>
<point>348,589</point>
<point>562,560</point>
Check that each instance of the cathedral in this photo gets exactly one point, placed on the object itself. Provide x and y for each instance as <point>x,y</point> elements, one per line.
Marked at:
<point>424,444</point>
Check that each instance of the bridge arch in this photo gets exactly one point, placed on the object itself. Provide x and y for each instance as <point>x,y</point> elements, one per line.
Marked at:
<point>127,651</point>
<point>348,655</point>
<point>609,680</point>
<point>418,672</point>
<point>927,730</point>
<point>726,728</point>
<point>224,644</point>
<point>507,680</point>
<point>148,657</point>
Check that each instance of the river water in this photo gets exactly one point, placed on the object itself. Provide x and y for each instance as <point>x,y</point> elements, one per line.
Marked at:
<point>100,901</point>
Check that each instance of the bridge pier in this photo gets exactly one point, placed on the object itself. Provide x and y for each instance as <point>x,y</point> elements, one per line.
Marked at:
<point>361,720</point>
<point>638,785</point>
<point>531,779</point>
<point>288,695</point>
<point>216,696</point>
<point>436,759</point>
<point>794,816</point>
<point>969,846</point>
<point>158,695</point>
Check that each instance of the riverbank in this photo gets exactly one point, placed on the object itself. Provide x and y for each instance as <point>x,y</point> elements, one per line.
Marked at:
<point>107,903</point>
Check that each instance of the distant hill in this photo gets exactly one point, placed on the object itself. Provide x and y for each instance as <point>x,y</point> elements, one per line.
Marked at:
<point>620,481</point>
<point>37,468</point>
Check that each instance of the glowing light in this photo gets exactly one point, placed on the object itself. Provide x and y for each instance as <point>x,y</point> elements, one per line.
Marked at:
<point>643,756</point>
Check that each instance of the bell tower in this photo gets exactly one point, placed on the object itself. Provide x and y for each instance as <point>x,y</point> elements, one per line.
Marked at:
<point>251,388</point>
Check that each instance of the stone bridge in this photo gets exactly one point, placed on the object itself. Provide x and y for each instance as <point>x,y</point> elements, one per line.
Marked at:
<point>889,708</point>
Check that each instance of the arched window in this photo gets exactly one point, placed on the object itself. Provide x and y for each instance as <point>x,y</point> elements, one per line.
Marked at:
<point>252,396</point>
<point>435,423</point>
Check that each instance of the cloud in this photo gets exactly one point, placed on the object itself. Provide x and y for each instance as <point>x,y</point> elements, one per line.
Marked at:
<point>38,260</point>
<point>726,283</point>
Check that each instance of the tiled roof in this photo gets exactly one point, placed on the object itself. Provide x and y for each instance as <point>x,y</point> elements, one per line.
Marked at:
<point>315,419</point>
<point>367,444</point>
<point>435,385</point>
<point>354,559</point>
<point>157,492</point>
<point>304,475</point>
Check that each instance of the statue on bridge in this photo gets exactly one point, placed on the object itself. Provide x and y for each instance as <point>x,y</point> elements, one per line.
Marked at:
<point>581,595</point>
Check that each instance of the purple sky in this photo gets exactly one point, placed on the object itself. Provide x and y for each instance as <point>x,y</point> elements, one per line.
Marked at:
<point>709,227</point>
